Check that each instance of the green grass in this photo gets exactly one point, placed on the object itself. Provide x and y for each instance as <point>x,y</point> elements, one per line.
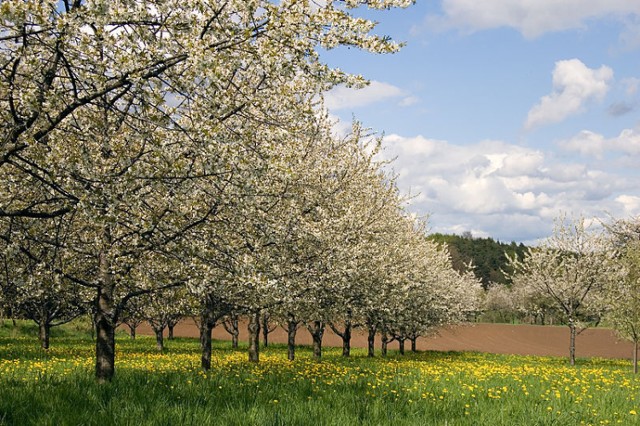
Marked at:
<point>56,387</point>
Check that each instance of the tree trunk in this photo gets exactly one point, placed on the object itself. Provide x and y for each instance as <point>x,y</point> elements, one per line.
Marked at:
<point>234,331</point>
<point>414,344</point>
<point>292,329</point>
<point>371,340</point>
<point>44,333</point>
<point>205,342</point>
<point>401,345</point>
<point>385,342</point>
<point>265,329</point>
<point>345,335</point>
<point>106,314</point>
<point>105,338</point>
<point>105,321</point>
<point>132,331</point>
<point>170,328</point>
<point>159,338</point>
<point>317,331</point>
<point>572,343</point>
<point>635,357</point>
<point>231,326</point>
<point>346,339</point>
<point>254,337</point>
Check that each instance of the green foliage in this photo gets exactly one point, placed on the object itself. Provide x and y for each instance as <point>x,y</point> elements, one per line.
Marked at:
<point>488,256</point>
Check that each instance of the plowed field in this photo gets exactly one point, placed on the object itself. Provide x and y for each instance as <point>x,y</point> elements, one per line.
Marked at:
<point>492,338</point>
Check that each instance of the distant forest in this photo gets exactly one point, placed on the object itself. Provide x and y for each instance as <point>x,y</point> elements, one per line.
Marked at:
<point>486,255</point>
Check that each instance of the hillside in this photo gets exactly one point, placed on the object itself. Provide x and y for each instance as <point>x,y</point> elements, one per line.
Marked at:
<point>486,254</point>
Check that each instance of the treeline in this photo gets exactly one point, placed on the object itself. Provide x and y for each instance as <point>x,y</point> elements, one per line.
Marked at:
<point>487,257</point>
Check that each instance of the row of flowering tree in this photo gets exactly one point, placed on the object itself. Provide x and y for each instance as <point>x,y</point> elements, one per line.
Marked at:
<point>582,276</point>
<point>177,150</point>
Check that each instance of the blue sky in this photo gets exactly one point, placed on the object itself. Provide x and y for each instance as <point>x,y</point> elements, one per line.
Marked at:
<point>502,114</point>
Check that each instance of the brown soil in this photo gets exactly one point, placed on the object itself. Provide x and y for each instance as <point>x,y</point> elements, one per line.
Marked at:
<point>492,338</point>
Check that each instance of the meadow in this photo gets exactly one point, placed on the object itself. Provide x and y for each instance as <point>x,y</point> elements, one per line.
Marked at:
<point>56,387</point>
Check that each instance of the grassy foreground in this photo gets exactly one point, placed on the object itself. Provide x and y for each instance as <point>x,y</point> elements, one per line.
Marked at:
<point>429,388</point>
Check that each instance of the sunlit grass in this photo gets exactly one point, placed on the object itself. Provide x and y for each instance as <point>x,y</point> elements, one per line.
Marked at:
<point>56,387</point>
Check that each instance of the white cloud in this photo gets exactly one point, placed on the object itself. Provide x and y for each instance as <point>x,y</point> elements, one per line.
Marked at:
<point>574,84</point>
<point>342,97</point>
<point>628,142</point>
<point>409,101</point>
<point>630,204</point>
<point>592,144</point>
<point>586,143</point>
<point>532,18</point>
<point>500,189</point>
<point>418,145</point>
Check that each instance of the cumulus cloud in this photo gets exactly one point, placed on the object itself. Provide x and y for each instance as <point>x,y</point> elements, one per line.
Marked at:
<point>593,144</point>
<point>574,84</point>
<point>342,97</point>
<point>532,18</point>
<point>586,143</point>
<point>500,189</point>
<point>630,204</point>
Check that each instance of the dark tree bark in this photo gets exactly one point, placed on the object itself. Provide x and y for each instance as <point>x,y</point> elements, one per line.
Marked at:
<point>635,356</point>
<point>371,340</point>
<point>231,326</point>
<point>132,321</point>
<point>265,329</point>
<point>572,342</point>
<point>346,340</point>
<point>206,327</point>
<point>385,342</point>
<point>372,329</point>
<point>414,344</point>
<point>159,338</point>
<point>170,327</point>
<point>292,329</point>
<point>401,341</point>
<point>254,337</point>
<point>317,331</point>
<point>105,320</point>
<point>44,332</point>
<point>105,338</point>
<point>132,331</point>
<point>345,335</point>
